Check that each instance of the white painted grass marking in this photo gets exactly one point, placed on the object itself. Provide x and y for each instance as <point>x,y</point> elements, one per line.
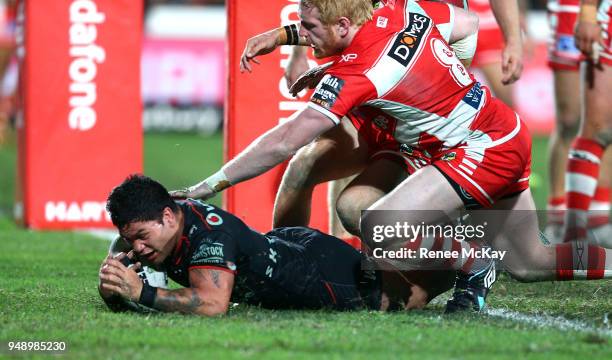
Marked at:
<point>549,321</point>
<point>540,320</point>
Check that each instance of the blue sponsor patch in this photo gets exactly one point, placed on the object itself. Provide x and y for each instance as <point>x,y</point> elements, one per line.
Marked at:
<point>566,44</point>
<point>474,96</point>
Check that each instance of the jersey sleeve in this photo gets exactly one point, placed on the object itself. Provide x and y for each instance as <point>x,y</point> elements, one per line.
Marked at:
<point>217,250</point>
<point>336,95</point>
<point>443,16</point>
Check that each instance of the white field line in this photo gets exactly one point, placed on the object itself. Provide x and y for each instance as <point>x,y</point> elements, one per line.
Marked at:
<point>550,321</point>
<point>539,320</point>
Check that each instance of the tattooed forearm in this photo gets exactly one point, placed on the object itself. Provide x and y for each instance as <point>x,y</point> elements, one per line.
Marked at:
<point>186,301</point>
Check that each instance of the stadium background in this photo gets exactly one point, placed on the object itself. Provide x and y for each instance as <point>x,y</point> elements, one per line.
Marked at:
<point>183,88</point>
<point>48,291</point>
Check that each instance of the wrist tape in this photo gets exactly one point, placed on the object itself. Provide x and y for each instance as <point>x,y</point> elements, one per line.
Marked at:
<point>147,295</point>
<point>218,181</point>
<point>292,34</point>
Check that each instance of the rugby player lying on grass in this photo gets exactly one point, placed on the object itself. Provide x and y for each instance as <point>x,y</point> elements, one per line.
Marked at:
<point>219,259</point>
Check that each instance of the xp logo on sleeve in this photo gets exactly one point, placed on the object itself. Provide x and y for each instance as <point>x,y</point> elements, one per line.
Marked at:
<point>327,91</point>
<point>409,40</point>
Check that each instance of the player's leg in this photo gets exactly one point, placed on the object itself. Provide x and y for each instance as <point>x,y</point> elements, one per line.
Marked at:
<point>381,176</point>
<point>586,152</point>
<point>598,223</point>
<point>402,290</point>
<point>343,279</point>
<point>336,154</point>
<point>567,102</point>
<point>527,259</point>
<point>430,189</point>
<point>334,189</point>
<point>425,197</point>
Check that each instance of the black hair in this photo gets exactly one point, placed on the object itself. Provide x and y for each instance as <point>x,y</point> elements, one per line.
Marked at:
<point>138,198</point>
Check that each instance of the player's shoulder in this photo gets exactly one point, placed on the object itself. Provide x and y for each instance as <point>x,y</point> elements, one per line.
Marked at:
<point>201,216</point>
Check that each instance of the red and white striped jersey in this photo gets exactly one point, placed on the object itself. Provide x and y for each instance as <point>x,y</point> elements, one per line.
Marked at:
<point>400,64</point>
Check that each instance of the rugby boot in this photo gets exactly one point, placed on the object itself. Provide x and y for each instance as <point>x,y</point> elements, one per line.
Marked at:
<point>471,290</point>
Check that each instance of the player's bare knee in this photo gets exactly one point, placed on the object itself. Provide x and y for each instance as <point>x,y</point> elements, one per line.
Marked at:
<point>567,126</point>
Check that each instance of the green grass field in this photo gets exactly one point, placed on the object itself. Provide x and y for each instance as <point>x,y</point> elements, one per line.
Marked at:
<point>48,293</point>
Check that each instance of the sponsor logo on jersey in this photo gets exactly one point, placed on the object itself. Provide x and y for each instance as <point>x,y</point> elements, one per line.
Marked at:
<point>208,253</point>
<point>381,22</point>
<point>348,57</point>
<point>449,156</point>
<point>474,96</point>
<point>327,91</point>
<point>214,219</point>
<point>408,41</point>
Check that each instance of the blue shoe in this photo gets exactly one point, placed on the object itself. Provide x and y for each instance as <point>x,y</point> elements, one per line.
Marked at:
<point>471,290</point>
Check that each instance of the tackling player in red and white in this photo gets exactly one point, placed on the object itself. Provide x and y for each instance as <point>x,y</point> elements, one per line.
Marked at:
<point>395,60</point>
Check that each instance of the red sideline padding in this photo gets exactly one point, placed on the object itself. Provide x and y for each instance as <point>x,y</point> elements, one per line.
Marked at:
<point>257,102</point>
<point>81,131</point>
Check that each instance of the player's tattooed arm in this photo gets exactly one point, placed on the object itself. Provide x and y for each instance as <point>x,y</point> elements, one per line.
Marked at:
<point>208,295</point>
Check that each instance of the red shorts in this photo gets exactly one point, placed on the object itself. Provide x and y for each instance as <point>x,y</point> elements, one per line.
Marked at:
<point>500,169</point>
<point>562,51</point>
<point>486,174</point>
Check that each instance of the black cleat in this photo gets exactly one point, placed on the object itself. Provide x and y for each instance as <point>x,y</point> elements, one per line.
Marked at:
<point>471,290</point>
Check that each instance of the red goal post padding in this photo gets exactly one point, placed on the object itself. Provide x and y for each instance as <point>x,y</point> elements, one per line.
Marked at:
<point>257,102</point>
<point>79,132</point>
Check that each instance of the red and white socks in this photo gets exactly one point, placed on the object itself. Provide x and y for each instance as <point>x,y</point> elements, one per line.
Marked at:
<point>581,184</point>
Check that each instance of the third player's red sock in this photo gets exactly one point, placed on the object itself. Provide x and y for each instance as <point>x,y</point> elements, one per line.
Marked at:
<point>580,184</point>
<point>578,260</point>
